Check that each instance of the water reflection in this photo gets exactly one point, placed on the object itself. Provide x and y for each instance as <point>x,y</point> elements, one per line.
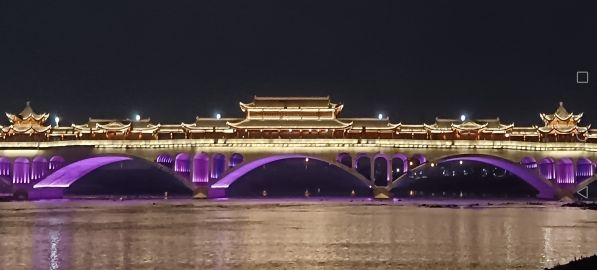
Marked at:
<point>265,235</point>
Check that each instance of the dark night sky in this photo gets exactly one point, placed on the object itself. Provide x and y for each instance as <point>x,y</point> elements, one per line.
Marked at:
<point>413,60</point>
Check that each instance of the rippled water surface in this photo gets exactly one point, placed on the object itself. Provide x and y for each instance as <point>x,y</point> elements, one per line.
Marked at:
<point>288,234</point>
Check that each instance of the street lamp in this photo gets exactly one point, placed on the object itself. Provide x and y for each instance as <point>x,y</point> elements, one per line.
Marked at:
<point>56,120</point>
<point>218,116</point>
<point>462,117</point>
<point>380,116</point>
<point>137,118</point>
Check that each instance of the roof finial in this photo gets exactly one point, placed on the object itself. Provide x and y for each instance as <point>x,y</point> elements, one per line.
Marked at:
<point>561,104</point>
<point>28,103</point>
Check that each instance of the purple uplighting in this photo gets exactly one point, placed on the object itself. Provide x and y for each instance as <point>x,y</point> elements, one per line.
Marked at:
<point>4,166</point>
<point>344,159</point>
<point>21,171</point>
<point>529,162</point>
<point>565,171</point>
<point>165,159</point>
<point>67,175</point>
<point>201,168</point>
<point>546,191</point>
<point>547,168</point>
<point>236,159</point>
<point>56,162</point>
<point>40,168</point>
<point>227,180</point>
<point>218,166</point>
<point>584,168</point>
<point>421,158</point>
<point>182,163</point>
<point>404,160</point>
<point>357,159</point>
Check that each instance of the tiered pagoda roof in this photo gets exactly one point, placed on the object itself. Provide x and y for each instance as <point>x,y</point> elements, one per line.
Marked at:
<point>293,117</point>
<point>562,122</point>
<point>27,122</point>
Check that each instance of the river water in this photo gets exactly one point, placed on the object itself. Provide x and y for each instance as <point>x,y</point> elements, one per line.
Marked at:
<point>289,234</point>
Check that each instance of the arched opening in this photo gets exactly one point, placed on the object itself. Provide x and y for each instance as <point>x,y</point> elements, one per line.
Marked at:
<point>39,168</point>
<point>380,171</point>
<point>528,162</point>
<point>584,169</point>
<point>201,168</point>
<point>363,165</point>
<point>218,166</point>
<point>182,163</point>
<point>419,159</point>
<point>4,166</point>
<point>21,171</point>
<point>236,159</point>
<point>547,168</point>
<point>56,162</point>
<point>565,171</point>
<point>399,165</point>
<point>292,176</point>
<point>165,160</point>
<point>470,179</point>
<point>344,159</point>
<point>126,177</point>
<point>476,173</point>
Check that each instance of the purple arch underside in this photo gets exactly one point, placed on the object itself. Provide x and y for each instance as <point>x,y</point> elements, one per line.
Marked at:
<point>545,190</point>
<point>230,178</point>
<point>69,174</point>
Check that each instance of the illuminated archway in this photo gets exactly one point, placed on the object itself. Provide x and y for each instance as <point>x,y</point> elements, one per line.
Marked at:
<point>230,178</point>
<point>546,190</point>
<point>235,159</point>
<point>344,159</point>
<point>65,176</point>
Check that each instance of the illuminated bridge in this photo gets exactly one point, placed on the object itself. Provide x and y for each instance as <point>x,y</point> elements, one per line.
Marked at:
<point>303,137</point>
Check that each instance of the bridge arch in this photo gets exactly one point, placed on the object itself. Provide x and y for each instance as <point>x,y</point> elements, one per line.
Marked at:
<point>546,189</point>
<point>225,182</point>
<point>39,168</point>
<point>67,175</point>
<point>201,168</point>
<point>565,171</point>
<point>56,162</point>
<point>399,163</point>
<point>420,158</point>
<point>218,165</point>
<point>344,159</point>
<point>362,164</point>
<point>382,167</point>
<point>55,184</point>
<point>165,159</point>
<point>547,168</point>
<point>4,166</point>
<point>584,168</point>
<point>21,172</point>
<point>529,162</point>
<point>182,163</point>
<point>235,160</point>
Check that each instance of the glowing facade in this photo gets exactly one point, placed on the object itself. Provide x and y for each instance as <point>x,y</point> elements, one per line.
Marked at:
<point>298,117</point>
